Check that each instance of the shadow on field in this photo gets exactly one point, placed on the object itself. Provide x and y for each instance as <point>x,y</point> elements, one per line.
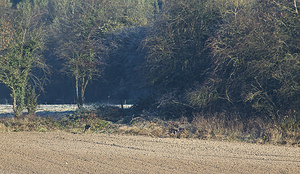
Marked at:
<point>56,114</point>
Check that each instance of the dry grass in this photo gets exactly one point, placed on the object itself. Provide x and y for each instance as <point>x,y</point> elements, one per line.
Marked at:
<point>219,126</point>
<point>216,127</point>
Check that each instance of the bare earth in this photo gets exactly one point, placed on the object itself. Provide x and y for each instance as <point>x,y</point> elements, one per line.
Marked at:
<point>59,152</point>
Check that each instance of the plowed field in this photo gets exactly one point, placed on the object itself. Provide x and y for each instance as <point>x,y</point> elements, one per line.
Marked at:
<point>60,152</point>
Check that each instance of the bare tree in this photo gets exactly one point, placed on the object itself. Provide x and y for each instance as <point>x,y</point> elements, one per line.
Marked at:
<point>77,30</point>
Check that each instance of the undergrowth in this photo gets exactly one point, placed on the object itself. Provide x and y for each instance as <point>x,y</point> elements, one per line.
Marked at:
<point>75,123</point>
<point>218,126</point>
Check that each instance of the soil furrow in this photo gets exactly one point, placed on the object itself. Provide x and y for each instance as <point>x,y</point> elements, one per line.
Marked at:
<point>60,152</point>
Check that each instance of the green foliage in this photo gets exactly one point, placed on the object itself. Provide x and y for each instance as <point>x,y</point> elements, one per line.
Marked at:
<point>78,121</point>
<point>31,100</point>
<point>22,31</point>
<point>202,97</point>
<point>72,123</point>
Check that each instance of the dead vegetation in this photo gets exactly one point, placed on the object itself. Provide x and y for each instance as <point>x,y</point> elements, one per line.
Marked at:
<point>113,120</point>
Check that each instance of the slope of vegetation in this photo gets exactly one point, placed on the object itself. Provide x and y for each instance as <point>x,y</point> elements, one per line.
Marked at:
<point>204,60</point>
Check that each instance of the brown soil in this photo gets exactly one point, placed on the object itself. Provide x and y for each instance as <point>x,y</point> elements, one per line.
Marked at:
<point>59,152</point>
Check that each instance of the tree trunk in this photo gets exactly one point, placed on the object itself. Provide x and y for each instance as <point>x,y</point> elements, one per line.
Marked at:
<point>18,102</point>
<point>83,86</point>
<point>15,105</point>
<point>77,92</point>
<point>296,8</point>
<point>122,104</point>
<point>82,92</point>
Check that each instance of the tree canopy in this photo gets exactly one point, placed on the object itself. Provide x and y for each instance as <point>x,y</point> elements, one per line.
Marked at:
<point>199,55</point>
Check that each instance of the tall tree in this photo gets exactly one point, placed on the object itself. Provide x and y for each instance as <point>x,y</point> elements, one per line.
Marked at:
<point>80,28</point>
<point>76,28</point>
<point>22,30</point>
